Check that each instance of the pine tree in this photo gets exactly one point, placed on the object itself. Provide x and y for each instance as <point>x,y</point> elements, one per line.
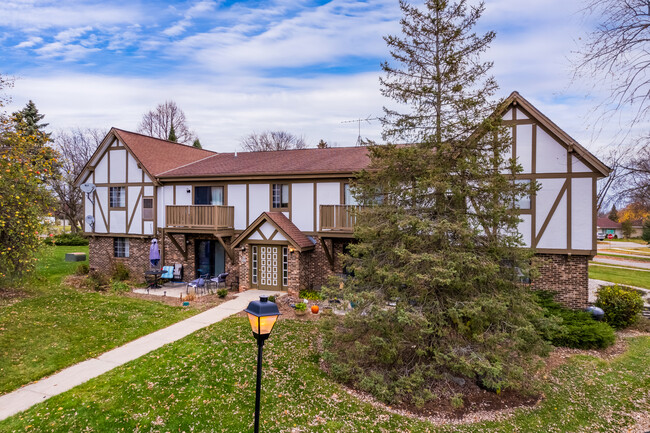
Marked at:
<point>27,123</point>
<point>172,134</point>
<point>438,259</point>
<point>322,144</point>
<point>613,214</point>
<point>645,235</point>
<point>197,144</point>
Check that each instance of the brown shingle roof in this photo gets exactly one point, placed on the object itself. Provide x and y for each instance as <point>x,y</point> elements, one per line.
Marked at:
<point>285,224</point>
<point>606,223</point>
<point>158,156</point>
<point>331,160</point>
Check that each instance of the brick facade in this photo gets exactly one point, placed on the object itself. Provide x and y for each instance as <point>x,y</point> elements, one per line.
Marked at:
<point>567,275</point>
<point>101,256</point>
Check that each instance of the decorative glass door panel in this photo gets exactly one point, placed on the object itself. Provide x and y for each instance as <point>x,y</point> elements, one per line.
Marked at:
<point>269,272</point>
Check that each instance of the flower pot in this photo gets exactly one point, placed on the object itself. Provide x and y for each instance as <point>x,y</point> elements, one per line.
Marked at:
<point>301,312</point>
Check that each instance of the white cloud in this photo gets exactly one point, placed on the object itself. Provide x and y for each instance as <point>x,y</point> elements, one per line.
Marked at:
<point>69,35</point>
<point>194,11</point>
<point>30,42</point>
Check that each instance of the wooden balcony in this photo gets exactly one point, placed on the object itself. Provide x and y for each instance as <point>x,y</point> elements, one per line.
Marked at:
<point>200,217</point>
<point>338,219</point>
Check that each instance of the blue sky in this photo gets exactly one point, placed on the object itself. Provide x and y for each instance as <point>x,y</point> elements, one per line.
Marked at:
<point>236,67</point>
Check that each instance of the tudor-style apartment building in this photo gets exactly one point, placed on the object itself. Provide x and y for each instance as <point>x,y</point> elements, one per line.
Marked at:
<point>278,220</point>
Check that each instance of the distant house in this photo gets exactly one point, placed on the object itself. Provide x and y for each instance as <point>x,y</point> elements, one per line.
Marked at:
<point>606,227</point>
<point>279,220</point>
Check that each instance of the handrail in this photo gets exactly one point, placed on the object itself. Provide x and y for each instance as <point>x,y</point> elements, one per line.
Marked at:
<point>337,217</point>
<point>200,216</point>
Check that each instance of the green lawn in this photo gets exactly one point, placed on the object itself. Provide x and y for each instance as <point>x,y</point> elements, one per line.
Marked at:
<point>635,240</point>
<point>51,327</point>
<point>620,276</point>
<point>206,383</point>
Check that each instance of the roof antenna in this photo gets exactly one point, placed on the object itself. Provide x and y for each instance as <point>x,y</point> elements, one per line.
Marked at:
<point>235,154</point>
<point>358,121</point>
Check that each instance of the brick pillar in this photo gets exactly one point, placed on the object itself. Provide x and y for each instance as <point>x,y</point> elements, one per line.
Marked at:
<point>567,275</point>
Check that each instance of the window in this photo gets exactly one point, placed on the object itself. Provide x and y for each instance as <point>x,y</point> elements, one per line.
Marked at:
<point>523,202</point>
<point>208,195</point>
<point>280,198</point>
<point>147,208</point>
<point>254,264</point>
<point>120,247</point>
<point>117,196</point>
<point>285,266</point>
<point>348,198</point>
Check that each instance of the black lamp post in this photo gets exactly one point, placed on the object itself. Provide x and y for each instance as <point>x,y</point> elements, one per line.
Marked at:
<point>262,315</point>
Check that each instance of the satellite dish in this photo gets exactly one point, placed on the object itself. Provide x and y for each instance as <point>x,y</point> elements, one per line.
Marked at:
<point>90,220</point>
<point>87,187</point>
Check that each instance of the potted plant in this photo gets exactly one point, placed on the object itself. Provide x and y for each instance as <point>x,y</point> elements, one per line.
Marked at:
<point>301,309</point>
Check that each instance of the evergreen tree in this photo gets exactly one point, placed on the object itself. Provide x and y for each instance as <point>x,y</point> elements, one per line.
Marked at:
<point>27,123</point>
<point>438,259</point>
<point>172,134</point>
<point>322,144</point>
<point>197,144</point>
<point>645,235</point>
<point>613,214</point>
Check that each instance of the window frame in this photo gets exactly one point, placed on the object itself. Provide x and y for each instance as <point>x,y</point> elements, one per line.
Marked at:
<point>195,189</point>
<point>527,198</point>
<point>121,197</point>
<point>121,251</point>
<point>144,216</point>
<point>280,187</point>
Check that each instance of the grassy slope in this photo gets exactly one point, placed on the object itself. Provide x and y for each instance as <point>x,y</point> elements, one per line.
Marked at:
<point>629,258</point>
<point>620,276</point>
<point>54,327</point>
<point>206,383</point>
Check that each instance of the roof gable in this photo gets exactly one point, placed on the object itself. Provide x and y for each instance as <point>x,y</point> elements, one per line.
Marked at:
<point>515,99</point>
<point>283,225</point>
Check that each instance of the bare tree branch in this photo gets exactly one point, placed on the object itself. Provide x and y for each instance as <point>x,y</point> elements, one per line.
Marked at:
<point>158,123</point>
<point>271,140</point>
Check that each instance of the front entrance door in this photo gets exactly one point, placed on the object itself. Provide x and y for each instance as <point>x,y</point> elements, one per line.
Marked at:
<point>268,267</point>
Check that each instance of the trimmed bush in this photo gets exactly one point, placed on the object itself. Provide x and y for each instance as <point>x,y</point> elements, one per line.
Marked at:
<point>577,329</point>
<point>222,293</point>
<point>67,239</point>
<point>622,305</point>
<point>82,269</point>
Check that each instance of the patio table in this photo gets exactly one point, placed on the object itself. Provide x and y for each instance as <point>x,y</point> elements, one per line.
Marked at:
<point>155,274</point>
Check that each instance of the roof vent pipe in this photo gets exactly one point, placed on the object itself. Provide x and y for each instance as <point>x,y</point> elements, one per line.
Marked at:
<point>235,154</point>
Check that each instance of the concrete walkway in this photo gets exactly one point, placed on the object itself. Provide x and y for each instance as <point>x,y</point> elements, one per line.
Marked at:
<point>34,393</point>
<point>621,262</point>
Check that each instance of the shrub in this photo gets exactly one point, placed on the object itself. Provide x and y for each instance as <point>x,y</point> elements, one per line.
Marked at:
<point>577,329</point>
<point>69,239</point>
<point>271,298</point>
<point>96,281</point>
<point>622,305</point>
<point>222,293</point>
<point>301,306</point>
<point>120,272</point>
<point>82,269</point>
<point>120,286</point>
<point>312,295</point>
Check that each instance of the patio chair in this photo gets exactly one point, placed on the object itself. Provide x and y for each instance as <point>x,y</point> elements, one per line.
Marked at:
<point>220,279</point>
<point>168,273</point>
<point>178,272</point>
<point>198,284</point>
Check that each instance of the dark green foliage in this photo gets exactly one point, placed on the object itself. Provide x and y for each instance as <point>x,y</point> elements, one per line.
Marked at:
<point>613,214</point>
<point>197,144</point>
<point>646,230</point>
<point>271,298</point>
<point>312,295</point>
<point>172,134</point>
<point>82,269</point>
<point>626,228</point>
<point>222,293</point>
<point>66,239</point>
<point>436,266</point>
<point>27,123</point>
<point>119,272</point>
<point>622,305</point>
<point>576,329</point>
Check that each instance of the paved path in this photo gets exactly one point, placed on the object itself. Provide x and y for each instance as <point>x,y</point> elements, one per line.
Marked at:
<point>27,396</point>
<point>619,262</point>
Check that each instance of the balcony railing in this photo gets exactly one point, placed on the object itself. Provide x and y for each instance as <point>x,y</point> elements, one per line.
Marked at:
<point>340,218</point>
<point>200,217</point>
